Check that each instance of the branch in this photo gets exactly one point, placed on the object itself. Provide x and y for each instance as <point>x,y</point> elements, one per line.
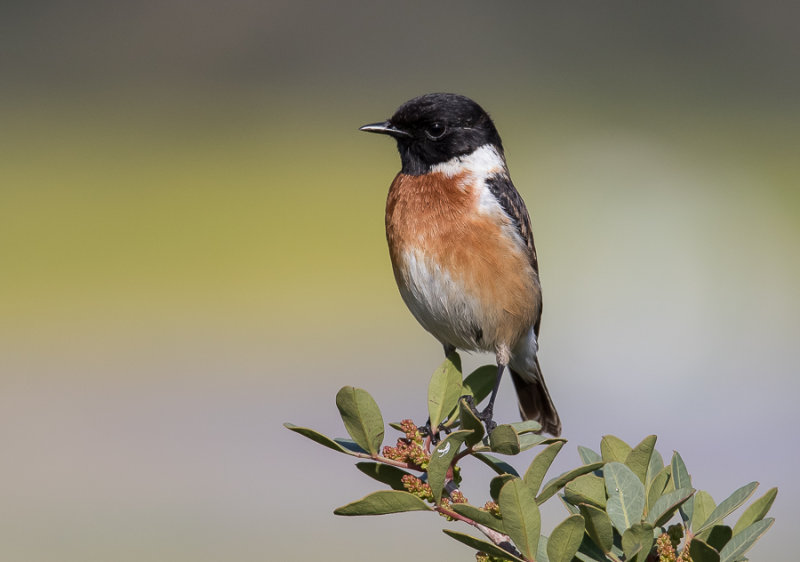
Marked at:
<point>498,538</point>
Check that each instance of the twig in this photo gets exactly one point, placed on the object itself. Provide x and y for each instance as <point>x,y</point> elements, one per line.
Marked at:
<point>498,538</point>
<point>384,460</point>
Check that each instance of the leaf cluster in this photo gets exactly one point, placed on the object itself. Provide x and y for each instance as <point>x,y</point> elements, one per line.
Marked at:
<point>620,501</point>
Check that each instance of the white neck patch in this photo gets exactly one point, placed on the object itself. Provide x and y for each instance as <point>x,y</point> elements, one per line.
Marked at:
<point>482,162</point>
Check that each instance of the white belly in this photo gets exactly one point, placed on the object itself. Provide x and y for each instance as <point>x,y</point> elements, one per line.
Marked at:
<point>442,306</point>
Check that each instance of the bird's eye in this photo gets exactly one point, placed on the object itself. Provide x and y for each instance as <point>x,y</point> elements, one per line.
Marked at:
<point>435,131</point>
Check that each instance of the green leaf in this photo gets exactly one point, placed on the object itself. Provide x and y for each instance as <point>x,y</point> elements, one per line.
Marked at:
<point>653,468</point>
<point>588,552</point>
<point>718,536</point>
<point>362,418</point>
<point>670,486</point>
<point>681,479</point>
<point>521,517</point>
<point>386,473</point>
<point>573,509</point>
<point>625,504</point>
<point>638,460</point>
<point>444,389</point>
<point>527,426</point>
<point>479,516</point>
<point>756,512</point>
<point>540,465</point>
<point>588,488</point>
<point>489,548</point>
<point>744,539</point>
<point>656,488</point>
<point>541,550</point>
<point>614,449</point>
<point>679,472</point>
<point>317,437</point>
<point>702,552</point>
<point>588,456</point>
<point>637,541</point>
<point>504,440</point>
<point>470,421</point>
<point>665,507</point>
<point>529,440</point>
<point>497,484</point>
<point>382,503</point>
<point>703,506</point>
<point>728,505</point>
<point>598,526</point>
<point>554,485</point>
<point>565,539</point>
<point>499,466</point>
<point>441,457</point>
<point>350,445</point>
<point>480,383</point>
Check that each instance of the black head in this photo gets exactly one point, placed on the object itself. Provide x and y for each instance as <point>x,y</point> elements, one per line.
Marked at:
<point>435,128</point>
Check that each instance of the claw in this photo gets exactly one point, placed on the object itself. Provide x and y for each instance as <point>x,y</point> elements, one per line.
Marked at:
<point>427,431</point>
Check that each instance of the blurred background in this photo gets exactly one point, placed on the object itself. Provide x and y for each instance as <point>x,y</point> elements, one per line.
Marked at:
<point>192,249</point>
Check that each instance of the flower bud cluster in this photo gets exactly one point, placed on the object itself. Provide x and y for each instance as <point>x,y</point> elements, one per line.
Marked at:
<point>667,544</point>
<point>457,497</point>
<point>409,449</point>
<point>492,508</point>
<point>415,486</point>
<point>446,503</point>
<point>411,431</point>
<point>664,548</point>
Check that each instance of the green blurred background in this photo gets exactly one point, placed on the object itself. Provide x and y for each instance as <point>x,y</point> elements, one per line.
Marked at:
<point>191,236</point>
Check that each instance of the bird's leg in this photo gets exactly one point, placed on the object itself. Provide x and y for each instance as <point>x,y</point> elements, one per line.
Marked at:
<point>487,414</point>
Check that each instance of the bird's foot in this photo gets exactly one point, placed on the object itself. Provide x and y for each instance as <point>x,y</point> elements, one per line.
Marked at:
<point>427,431</point>
<point>485,416</point>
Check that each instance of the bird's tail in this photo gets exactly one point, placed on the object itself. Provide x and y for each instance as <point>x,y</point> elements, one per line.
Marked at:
<point>534,400</point>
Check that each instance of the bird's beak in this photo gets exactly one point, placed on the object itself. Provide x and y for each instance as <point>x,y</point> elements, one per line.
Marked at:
<point>384,128</point>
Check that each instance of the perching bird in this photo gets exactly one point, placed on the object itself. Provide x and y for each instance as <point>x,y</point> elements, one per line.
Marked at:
<point>461,244</point>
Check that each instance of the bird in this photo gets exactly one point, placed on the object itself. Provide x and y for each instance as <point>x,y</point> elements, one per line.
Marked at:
<point>461,244</point>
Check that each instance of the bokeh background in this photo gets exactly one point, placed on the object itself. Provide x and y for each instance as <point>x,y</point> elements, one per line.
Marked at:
<point>192,249</point>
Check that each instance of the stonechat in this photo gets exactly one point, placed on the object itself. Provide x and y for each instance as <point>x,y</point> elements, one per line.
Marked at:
<point>461,244</point>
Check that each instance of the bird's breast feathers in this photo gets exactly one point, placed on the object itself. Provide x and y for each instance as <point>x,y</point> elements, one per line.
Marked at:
<point>461,265</point>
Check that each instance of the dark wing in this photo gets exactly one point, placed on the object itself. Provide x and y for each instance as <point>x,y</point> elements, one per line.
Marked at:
<point>511,201</point>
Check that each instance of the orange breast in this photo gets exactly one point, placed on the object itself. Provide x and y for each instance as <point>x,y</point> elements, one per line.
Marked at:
<point>463,272</point>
